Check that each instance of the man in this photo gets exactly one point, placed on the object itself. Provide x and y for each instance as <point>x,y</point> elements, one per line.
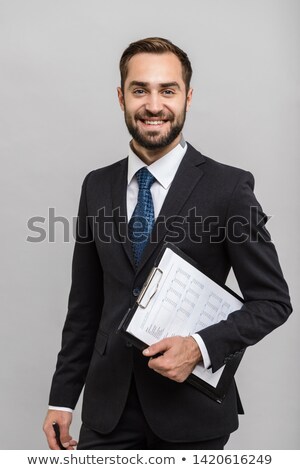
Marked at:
<point>132,400</point>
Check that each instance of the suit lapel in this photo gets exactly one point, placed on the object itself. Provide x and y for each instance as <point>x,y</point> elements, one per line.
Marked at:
<point>188,175</point>
<point>119,198</point>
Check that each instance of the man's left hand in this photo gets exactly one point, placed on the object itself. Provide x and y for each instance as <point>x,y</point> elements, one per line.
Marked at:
<point>178,357</point>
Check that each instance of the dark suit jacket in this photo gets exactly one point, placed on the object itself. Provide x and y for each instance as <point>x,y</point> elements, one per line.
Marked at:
<point>207,213</point>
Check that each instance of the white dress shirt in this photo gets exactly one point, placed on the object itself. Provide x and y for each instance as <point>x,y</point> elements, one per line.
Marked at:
<point>164,170</point>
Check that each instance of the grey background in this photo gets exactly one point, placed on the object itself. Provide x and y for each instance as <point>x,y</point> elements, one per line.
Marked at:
<point>60,119</point>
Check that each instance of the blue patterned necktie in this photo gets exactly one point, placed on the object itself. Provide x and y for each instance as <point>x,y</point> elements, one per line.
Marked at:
<point>142,220</point>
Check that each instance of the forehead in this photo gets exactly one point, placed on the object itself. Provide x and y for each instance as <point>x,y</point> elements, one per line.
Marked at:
<point>154,68</point>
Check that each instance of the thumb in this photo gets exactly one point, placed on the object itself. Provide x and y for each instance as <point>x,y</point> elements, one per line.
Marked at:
<point>65,437</point>
<point>156,348</point>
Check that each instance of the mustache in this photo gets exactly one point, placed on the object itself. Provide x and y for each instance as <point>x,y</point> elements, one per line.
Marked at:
<point>160,115</point>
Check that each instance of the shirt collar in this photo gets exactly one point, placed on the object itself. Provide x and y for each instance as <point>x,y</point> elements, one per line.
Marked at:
<point>163,169</point>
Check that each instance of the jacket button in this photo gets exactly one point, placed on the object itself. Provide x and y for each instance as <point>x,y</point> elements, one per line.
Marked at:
<point>128,344</point>
<point>136,292</point>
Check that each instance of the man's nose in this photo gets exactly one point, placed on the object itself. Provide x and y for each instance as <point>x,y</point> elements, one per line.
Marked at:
<point>154,103</point>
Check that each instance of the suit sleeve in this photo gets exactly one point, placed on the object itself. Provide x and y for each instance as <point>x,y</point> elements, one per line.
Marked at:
<point>254,260</point>
<point>84,311</point>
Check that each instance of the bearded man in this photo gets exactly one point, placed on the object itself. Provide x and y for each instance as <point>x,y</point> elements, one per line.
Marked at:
<point>141,400</point>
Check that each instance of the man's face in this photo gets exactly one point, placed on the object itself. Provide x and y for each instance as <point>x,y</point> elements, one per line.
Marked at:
<point>154,100</point>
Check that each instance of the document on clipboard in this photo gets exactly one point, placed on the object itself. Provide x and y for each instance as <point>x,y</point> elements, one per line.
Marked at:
<point>178,299</point>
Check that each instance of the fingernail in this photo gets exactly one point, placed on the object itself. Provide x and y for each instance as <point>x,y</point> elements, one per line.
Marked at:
<point>146,352</point>
<point>66,444</point>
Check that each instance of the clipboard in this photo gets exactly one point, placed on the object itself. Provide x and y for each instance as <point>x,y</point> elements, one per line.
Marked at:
<point>177,294</point>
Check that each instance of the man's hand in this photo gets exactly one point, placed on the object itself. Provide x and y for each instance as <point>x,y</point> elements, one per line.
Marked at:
<point>63,419</point>
<point>179,356</point>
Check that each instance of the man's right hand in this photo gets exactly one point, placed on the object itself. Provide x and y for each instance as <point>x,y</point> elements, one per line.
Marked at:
<point>63,419</point>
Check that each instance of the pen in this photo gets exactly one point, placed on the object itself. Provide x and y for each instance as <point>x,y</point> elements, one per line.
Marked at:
<point>57,436</point>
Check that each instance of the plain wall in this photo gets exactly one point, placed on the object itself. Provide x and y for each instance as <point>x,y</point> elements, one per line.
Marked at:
<point>59,119</point>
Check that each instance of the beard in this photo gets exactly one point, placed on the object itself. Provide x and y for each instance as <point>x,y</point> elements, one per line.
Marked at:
<point>153,140</point>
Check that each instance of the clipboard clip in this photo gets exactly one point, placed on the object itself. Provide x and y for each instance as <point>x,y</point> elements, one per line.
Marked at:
<point>147,293</point>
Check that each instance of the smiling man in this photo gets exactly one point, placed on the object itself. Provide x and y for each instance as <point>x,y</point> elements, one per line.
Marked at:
<point>131,399</point>
<point>155,106</point>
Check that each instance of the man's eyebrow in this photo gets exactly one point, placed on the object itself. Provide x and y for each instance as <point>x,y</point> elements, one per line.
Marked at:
<point>137,83</point>
<point>161,85</point>
<point>170,85</point>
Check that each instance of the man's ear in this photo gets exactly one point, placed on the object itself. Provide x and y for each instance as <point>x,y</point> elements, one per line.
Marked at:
<point>189,98</point>
<point>120,97</point>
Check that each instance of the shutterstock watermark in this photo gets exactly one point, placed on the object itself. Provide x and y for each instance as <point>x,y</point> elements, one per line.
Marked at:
<point>108,227</point>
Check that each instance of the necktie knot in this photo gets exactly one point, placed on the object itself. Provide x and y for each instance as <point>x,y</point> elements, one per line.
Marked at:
<point>145,178</point>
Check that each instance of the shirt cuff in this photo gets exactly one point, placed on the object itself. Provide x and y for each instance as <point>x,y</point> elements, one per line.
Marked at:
<point>203,349</point>
<point>60,408</point>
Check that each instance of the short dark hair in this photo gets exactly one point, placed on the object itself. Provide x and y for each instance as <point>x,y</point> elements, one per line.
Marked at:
<point>155,45</point>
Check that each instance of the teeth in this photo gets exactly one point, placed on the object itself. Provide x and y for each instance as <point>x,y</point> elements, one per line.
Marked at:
<point>154,123</point>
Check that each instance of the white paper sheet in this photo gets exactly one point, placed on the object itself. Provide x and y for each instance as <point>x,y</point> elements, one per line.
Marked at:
<point>180,300</point>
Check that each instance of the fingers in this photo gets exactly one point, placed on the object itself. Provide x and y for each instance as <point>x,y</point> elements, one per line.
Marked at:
<point>180,355</point>
<point>65,437</point>
<point>72,444</point>
<point>63,420</point>
<point>50,435</point>
<point>158,348</point>
<point>164,364</point>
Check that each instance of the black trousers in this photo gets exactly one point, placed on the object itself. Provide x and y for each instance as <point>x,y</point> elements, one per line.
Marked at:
<point>133,432</point>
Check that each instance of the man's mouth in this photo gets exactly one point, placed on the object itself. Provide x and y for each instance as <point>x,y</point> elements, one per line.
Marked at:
<point>153,122</point>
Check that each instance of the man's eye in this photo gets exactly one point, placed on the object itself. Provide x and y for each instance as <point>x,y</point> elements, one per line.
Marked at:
<point>168,92</point>
<point>139,92</point>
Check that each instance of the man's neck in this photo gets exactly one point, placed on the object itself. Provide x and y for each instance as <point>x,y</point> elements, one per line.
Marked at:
<point>151,156</point>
